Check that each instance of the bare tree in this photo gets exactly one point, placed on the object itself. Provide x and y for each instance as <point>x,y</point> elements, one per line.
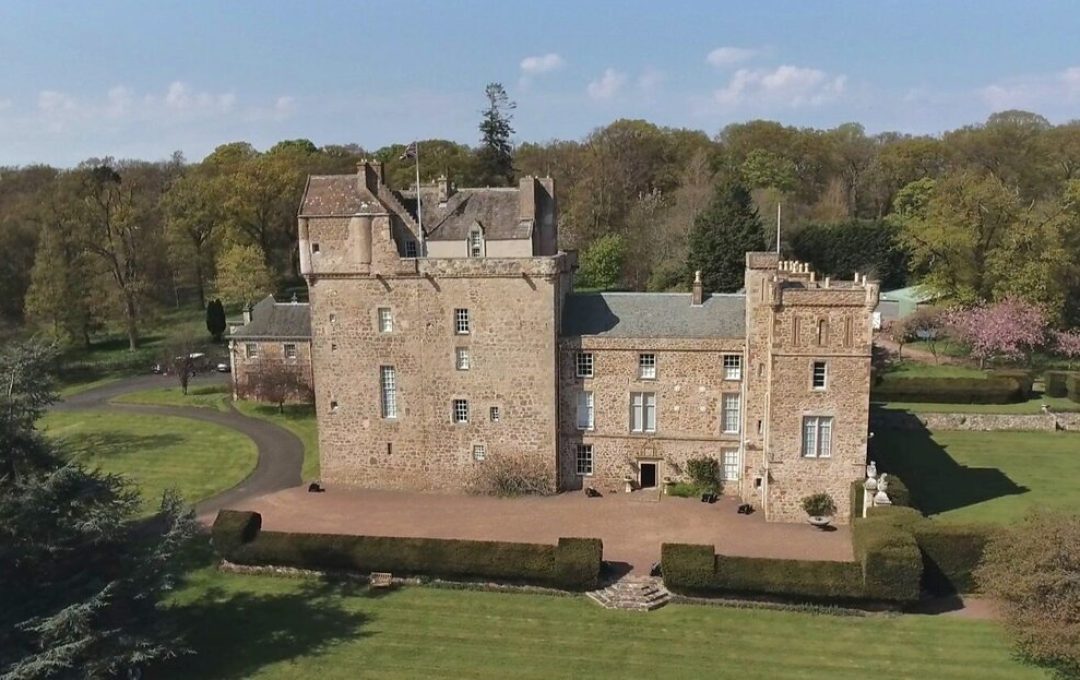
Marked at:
<point>278,383</point>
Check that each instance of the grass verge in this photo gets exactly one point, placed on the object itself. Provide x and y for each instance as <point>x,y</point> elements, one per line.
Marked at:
<point>205,396</point>
<point>298,419</point>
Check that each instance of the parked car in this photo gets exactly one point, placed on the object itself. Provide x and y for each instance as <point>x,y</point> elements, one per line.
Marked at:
<point>224,367</point>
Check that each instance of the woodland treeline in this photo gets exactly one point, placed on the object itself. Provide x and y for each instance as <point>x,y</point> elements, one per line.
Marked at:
<point>980,213</point>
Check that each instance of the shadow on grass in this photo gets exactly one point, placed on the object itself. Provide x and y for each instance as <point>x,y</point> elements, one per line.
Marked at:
<point>116,444</point>
<point>938,483</point>
<point>234,632</point>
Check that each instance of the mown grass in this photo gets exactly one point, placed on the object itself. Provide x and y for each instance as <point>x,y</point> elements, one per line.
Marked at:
<point>983,476</point>
<point>1032,406</point>
<point>206,396</point>
<point>268,628</point>
<point>156,452</point>
<point>905,368</point>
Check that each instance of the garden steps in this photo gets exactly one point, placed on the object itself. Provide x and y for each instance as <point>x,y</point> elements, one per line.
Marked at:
<point>633,593</point>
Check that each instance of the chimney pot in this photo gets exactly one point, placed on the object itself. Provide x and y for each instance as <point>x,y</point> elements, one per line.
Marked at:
<point>826,281</point>
<point>444,188</point>
<point>247,314</point>
<point>698,295</point>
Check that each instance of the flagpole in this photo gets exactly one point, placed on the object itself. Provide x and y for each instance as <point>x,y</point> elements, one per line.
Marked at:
<point>778,228</point>
<point>419,210</point>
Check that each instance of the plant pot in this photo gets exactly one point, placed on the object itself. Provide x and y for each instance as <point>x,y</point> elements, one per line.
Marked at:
<point>820,521</point>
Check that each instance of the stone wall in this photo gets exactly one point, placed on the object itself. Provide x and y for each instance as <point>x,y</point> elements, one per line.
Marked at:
<point>268,353</point>
<point>883,419</point>
<point>688,388</point>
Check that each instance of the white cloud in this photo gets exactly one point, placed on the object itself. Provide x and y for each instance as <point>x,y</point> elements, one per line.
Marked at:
<point>784,86</point>
<point>650,79</point>
<point>545,63</point>
<point>51,102</point>
<point>1033,91</point>
<point>728,56</point>
<point>607,85</point>
<point>180,97</point>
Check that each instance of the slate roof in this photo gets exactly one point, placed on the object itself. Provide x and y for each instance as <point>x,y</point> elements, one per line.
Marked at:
<point>496,210</point>
<point>653,315</point>
<point>336,195</point>
<point>271,320</point>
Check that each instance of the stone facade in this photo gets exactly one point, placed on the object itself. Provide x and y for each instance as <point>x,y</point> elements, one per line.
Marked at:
<point>410,395</point>
<point>273,335</point>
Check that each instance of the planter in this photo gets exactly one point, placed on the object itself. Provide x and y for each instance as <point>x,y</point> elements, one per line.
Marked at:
<point>820,521</point>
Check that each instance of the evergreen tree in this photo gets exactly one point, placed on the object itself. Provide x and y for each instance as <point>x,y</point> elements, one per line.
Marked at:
<point>722,235</point>
<point>215,319</point>
<point>496,154</point>
<point>81,574</point>
<point>602,262</point>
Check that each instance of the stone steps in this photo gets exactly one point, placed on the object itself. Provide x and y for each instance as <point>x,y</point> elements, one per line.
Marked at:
<point>642,593</point>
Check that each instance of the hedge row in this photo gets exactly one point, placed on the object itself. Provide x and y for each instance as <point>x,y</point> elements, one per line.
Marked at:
<point>573,564</point>
<point>951,553</point>
<point>885,546</point>
<point>1024,379</point>
<point>1072,387</point>
<point>991,390</point>
<point>897,491</point>
<point>1056,383</point>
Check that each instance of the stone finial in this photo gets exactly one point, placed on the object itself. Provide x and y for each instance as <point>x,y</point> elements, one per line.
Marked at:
<point>856,277</point>
<point>698,295</point>
<point>827,281</point>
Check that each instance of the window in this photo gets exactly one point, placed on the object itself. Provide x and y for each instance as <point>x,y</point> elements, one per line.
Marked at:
<point>819,375</point>
<point>388,390</point>
<point>461,411</point>
<point>795,330</point>
<point>314,248</point>
<point>647,366</point>
<point>289,350</point>
<point>476,244</point>
<point>817,436</point>
<point>732,367</point>
<point>495,414</point>
<point>822,332</point>
<point>848,331</point>
<point>479,451</point>
<point>386,320</point>
<point>333,406</point>
<point>585,411</point>
<point>333,318</point>
<point>333,346</point>
<point>251,350</point>
<point>461,360</point>
<point>584,364</point>
<point>731,465</point>
<point>410,249</point>
<point>643,412</point>
<point>461,321</point>
<point>730,414</point>
<point>583,456</point>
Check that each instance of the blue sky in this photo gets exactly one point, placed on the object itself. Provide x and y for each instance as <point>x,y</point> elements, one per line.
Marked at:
<point>141,79</point>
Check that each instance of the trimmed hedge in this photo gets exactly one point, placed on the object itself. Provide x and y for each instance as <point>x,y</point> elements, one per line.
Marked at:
<point>573,564</point>
<point>951,553</point>
<point>1072,387</point>
<point>1056,383</point>
<point>1025,379</point>
<point>885,545</point>
<point>898,491</point>
<point>992,390</point>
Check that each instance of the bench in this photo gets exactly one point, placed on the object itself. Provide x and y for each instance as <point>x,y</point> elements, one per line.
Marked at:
<point>380,579</point>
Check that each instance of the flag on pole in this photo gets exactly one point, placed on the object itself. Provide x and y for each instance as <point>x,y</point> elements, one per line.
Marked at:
<point>410,152</point>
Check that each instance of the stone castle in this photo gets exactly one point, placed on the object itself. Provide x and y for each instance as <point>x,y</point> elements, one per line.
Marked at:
<point>437,351</point>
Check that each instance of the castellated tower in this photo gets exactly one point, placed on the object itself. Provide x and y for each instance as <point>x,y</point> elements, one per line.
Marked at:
<point>432,351</point>
<point>808,346</point>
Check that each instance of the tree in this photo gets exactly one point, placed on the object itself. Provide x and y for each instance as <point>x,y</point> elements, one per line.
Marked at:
<point>601,263</point>
<point>1032,569</point>
<point>722,235</point>
<point>1067,344</point>
<point>1010,329</point>
<point>242,275</point>
<point>841,249</point>
<point>278,383</point>
<point>215,319</point>
<point>496,153</point>
<point>179,357</point>
<point>195,212</point>
<point>81,574</point>
<point>59,294</point>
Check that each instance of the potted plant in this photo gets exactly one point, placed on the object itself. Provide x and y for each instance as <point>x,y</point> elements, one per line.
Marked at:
<point>820,508</point>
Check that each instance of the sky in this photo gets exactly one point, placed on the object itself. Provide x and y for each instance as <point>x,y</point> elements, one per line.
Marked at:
<point>144,79</point>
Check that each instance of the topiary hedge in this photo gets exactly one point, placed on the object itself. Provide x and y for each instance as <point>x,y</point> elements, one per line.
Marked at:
<point>992,390</point>
<point>573,564</point>
<point>1056,383</point>
<point>1072,387</point>
<point>885,545</point>
<point>1024,379</point>
<point>951,553</point>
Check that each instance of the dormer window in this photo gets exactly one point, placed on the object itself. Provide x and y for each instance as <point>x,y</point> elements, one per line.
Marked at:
<point>476,243</point>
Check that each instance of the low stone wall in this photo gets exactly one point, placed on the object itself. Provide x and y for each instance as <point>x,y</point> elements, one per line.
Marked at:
<point>985,422</point>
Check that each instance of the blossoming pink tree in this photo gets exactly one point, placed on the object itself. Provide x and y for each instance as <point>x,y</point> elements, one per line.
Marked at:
<point>1067,344</point>
<point>1009,329</point>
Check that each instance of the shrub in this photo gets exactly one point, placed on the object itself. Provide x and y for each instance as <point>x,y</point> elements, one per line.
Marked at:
<point>858,494</point>
<point>885,545</point>
<point>685,490</point>
<point>1025,379</point>
<point>951,554</point>
<point>992,390</point>
<point>897,491</point>
<point>574,563</point>
<point>704,472</point>
<point>507,476</point>
<point>819,505</point>
<point>1072,387</point>
<point>1056,383</point>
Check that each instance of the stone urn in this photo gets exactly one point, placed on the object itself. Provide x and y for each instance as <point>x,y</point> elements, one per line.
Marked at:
<point>820,521</point>
<point>628,482</point>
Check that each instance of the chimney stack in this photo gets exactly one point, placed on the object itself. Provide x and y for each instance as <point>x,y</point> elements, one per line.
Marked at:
<point>247,314</point>
<point>527,198</point>
<point>444,189</point>
<point>698,296</point>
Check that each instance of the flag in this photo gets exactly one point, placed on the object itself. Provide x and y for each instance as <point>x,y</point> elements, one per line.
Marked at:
<point>410,152</point>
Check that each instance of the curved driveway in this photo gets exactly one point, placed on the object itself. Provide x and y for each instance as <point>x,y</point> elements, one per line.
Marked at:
<point>281,453</point>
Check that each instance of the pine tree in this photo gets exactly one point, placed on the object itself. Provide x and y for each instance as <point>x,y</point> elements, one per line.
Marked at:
<point>722,235</point>
<point>215,319</point>
<point>496,153</point>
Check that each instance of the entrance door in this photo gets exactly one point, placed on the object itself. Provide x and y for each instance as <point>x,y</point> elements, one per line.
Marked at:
<point>648,475</point>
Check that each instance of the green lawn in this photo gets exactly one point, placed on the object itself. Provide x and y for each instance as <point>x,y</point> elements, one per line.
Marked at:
<point>983,476</point>
<point>298,419</point>
<point>71,389</point>
<point>208,396</point>
<point>1031,406</point>
<point>905,368</point>
<point>266,627</point>
<point>156,452</point>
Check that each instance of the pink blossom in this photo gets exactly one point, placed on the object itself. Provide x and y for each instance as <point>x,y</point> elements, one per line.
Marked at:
<point>1009,329</point>
<point>1067,343</point>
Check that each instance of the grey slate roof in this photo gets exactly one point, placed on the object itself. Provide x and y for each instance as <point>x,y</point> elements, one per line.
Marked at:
<point>272,320</point>
<point>495,209</point>
<point>653,315</point>
<point>337,195</point>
